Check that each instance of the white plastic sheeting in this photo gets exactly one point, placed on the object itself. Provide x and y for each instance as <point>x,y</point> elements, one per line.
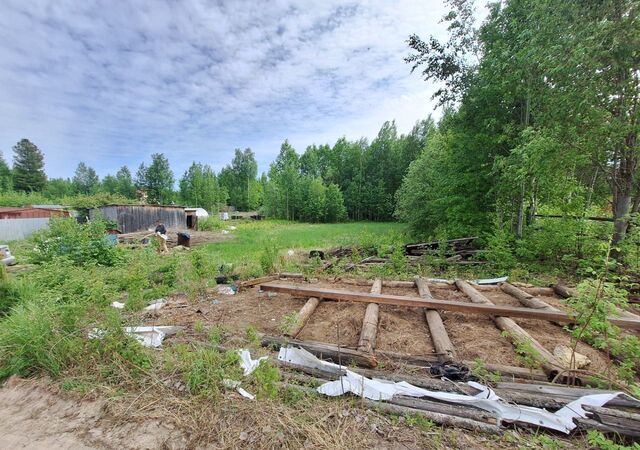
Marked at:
<point>486,399</point>
<point>491,280</point>
<point>155,305</point>
<point>147,336</point>
<point>247,363</point>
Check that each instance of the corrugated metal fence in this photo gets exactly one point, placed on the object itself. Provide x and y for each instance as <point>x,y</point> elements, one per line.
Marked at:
<point>16,229</point>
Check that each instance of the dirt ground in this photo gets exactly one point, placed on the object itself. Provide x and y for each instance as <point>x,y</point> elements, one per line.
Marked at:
<point>401,329</point>
<point>33,416</point>
<point>197,237</point>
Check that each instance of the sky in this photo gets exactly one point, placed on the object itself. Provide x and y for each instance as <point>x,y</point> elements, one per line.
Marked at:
<point>111,82</point>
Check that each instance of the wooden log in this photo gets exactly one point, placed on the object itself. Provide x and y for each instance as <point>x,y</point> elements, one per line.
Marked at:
<point>591,424</point>
<point>525,298</point>
<point>622,420</point>
<point>303,316</point>
<point>563,290</point>
<point>385,283</point>
<point>540,291</point>
<point>369,330</point>
<point>517,334</point>
<point>441,305</point>
<point>439,418</point>
<point>291,275</point>
<point>439,336</point>
<point>426,361</point>
<point>339,355</point>
<point>567,292</point>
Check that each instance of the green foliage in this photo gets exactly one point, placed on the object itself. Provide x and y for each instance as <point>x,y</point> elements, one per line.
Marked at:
<point>288,322</point>
<point>239,180</point>
<point>85,180</point>
<point>269,258</point>
<point>204,369</point>
<point>252,335</point>
<point>211,223</point>
<point>265,379</point>
<point>199,187</point>
<point>6,177</point>
<point>28,167</point>
<point>599,441</point>
<point>156,180</point>
<point>81,243</point>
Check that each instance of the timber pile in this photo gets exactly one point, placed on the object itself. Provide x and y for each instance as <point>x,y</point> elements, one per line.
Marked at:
<point>527,387</point>
<point>614,417</point>
<point>458,251</point>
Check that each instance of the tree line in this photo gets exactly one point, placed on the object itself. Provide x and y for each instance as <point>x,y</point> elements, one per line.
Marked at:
<point>541,114</point>
<point>354,180</point>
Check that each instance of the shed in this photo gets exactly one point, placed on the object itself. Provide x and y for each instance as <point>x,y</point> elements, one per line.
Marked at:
<point>20,223</point>
<point>193,214</point>
<point>31,213</point>
<point>132,218</point>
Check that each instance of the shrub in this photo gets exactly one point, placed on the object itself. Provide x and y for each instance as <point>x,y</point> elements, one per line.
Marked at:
<point>81,243</point>
<point>210,223</point>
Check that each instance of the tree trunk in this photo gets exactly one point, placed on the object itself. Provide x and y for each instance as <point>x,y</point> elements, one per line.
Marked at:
<point>621,208</point>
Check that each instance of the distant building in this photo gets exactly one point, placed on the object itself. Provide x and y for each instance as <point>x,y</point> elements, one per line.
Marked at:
<point>132,218</point>
<point>20,223</point>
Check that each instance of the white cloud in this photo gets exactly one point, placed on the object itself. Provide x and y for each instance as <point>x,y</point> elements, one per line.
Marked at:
<point>109,83</point>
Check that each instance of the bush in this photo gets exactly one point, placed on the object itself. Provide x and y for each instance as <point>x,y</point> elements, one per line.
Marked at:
<point>81,243</point>
<point>211,223</point>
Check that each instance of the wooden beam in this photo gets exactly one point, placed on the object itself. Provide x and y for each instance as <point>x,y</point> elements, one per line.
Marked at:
<point>517,335</point>
<point>369,329</point>
<point>566,292</point>
<point>439,336</point>
<point>441,305</point>
<point>339,355</point>
<point>303,316</point>
<point>254,281</point>
<point>525,298</point>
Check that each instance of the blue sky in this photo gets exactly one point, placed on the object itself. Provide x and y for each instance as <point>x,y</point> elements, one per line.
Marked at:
<point>110,82</point>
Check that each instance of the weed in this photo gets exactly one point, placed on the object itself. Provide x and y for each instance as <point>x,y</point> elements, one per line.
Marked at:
<point>289,322</point>
<point>252,335</point>
<point>598,440</point>
<point>419,421</point>
<point>217,334</point>
<point>268,258</point>
<point>198,326</point>
<point>265,378</point>
<point>480,371</point>
<point>210,223</point>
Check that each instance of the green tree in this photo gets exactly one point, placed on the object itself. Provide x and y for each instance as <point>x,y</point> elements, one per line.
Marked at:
<point>57,188</point>
<point>28,167</point>
<point>85,180</point>
<point>6,181</point>
<point>124,183</point>
<point>157,179</point>
<point>199,187</point>
<point>239,179</point>
<point>335,209</point>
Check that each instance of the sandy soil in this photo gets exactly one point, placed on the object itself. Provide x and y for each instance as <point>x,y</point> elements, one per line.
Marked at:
<point>33,417</point>
<point>401,329</point>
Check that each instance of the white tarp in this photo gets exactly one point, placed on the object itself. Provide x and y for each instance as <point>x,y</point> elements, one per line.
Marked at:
<point>486,399</point>
<point>491,280</point>
<point>247,363</point>
<point>155,305</point>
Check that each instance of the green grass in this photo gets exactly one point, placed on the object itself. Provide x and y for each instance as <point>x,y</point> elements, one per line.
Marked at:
<point>253,239</point>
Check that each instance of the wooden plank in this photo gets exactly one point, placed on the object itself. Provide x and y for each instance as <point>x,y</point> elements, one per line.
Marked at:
<point>369,329</point>
<point>254,281</point>
<point>339,355</point>
<point>441,305</point>
<point>628,423</point>
<point>517,334</point>
<point>303,316</point>
<point>439,336</point>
